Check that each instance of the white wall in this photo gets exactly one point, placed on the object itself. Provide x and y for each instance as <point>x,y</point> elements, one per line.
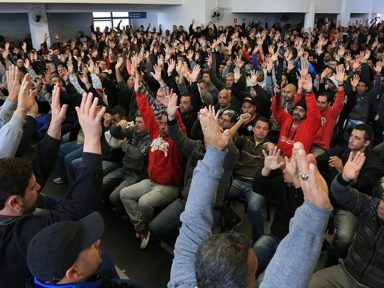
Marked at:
<point>192,9</point>
<point>327,6</point>
<point>263,6</point>
<point>151,18</point>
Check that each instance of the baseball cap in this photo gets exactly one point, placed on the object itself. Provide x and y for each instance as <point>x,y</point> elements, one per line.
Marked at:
<point>250,100</point>
<point>54,249</point>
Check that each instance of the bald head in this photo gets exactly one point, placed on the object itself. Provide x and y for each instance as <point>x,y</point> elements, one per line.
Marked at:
<point>290,91</point>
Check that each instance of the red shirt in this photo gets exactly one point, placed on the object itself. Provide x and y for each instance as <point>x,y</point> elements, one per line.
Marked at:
<point>291,131</point>
<point>165,160</point>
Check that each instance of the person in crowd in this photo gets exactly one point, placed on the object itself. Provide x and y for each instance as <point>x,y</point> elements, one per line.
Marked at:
<point>22,181</point>
<point>249,106</point>
<point>363,266</point>
<point>279,179</point>
<point>251,161</point>
<point>68,253</point>
<point>329,115</point>
<point>330,164</point>
<point>198,252</point>
<point>135,146</point>
<point>302,126</point>
<point>164,169</point>
<point>165,225</point>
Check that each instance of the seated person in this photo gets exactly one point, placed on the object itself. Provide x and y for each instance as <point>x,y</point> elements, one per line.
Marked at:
<point>330,164</point>
<point>224,260</point>
<point>135,147</point>
<point>166,225</point>
<point>364,263</point>
<point>164,169</point>
<point>289,196</point>
<point>251,161</point>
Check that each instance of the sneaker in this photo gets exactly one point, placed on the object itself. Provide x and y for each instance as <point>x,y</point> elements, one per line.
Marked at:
<point>58,180</point>
<point>144,236</point>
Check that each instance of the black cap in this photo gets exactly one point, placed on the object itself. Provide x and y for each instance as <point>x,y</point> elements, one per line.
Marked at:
<point>302,103</point>
<point>54,249</point>
<point>250,100</point>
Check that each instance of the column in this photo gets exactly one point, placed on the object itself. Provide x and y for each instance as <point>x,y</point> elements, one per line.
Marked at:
<point>309,19</point>
<point>38,24</point>
<point>344,15</point>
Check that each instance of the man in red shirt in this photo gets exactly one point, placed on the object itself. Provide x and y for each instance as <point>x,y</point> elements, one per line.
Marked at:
<point>329,115</point>
<point>164,169</point>
<point>302,126</point>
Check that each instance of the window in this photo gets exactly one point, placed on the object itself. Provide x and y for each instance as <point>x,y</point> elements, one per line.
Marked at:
<point>110,19</point>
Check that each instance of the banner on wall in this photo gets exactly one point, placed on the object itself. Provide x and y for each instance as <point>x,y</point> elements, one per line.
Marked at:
<point>137,15</point>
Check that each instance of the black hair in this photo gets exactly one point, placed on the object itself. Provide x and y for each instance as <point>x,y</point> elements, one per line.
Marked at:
<point>264,119</point>
<point>368,135</point>
<point>14,178</point>
<point>118,109</point>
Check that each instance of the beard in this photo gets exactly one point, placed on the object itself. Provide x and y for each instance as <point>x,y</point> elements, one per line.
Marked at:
<point>296,118</point>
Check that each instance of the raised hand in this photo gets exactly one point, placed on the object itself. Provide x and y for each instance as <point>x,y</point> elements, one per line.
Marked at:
<point>90,115</point>
<point>209,61</point>
<point>378,67</point>
<point>340,74</point>
<point>355,80</point>
<point>307,83</point>
<point>238,62</point>
<point>212,134</point>
<point>304,68</point>
<point>157,74</point>
<point>119,63</point>
<point>272,159</point>
<point>171,66</point>
<point>58,111</point>
<point>26,97</point>
<point>195,73</point>
<point>172,105</point>
<point>314,187</point>
<point>13,83</point>
<point>236,74</point>
<point>353,166</point>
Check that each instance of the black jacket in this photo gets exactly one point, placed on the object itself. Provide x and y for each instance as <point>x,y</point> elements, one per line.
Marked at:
<point>17,231</point>
<point>365,259</point>
<point>288,199</point>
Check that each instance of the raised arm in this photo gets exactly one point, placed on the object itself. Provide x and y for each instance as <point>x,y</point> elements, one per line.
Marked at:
<point>197,218</point>
<point>297,255</point>
<point>84,193</point>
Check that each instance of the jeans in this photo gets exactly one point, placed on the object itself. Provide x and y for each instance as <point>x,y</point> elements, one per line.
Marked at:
<point>264,248</point>
<point>116,180</point>
<point>141,199</point>
<point>68,152</point>
<point>255,204</point>
<point>165,226</point>
<point>345,224</point>
<point>107,167</point>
